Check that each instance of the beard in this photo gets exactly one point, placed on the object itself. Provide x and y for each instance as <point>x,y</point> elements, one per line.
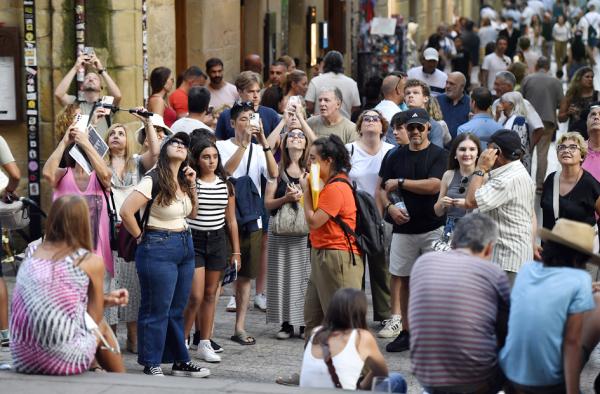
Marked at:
<point>216,80</point>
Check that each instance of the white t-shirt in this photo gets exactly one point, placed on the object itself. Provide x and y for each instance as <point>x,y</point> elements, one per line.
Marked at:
<point>533,118</point>
<point>561,33</point>
<point>436,80</point>
<point>187,125</point>
<point>224,96</point>
<point>494,64</point>
<point>348,87</point>
<point>365,167</point>
<point>388,109</point>
<point>258,164</point>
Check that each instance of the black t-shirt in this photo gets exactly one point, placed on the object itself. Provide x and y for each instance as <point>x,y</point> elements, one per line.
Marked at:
<point>460,62</point>
<point>430,162</point>
<point>579,204</point>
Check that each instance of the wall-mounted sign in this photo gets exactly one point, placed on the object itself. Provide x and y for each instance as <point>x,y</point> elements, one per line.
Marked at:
<point>10,76</point>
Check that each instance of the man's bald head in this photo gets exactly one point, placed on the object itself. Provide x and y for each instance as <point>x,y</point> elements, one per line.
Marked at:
<point>390,89</point>
<point>455,85</point>
<point>253,62</point>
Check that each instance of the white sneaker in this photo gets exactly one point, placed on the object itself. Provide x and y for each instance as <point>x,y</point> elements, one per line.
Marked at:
<point>391,328</point>
<point>260,301</point>
<point>206,353</point>
<point>231,306</point>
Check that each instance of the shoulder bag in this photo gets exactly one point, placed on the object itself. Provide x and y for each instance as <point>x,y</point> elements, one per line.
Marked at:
<point>289,219</point>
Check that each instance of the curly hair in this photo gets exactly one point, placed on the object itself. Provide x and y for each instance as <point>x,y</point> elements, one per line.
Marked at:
<point>333,148</point>
<point>64,119</point>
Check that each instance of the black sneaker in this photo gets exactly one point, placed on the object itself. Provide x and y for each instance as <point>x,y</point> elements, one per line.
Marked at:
<point>216,347</point>
<point>400,344</point>
<point>189,369</point>
<point>153,371</point>
<point>286,332</point>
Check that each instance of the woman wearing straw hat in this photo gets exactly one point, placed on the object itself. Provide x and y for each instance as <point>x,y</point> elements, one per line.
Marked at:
<point>554,320</point>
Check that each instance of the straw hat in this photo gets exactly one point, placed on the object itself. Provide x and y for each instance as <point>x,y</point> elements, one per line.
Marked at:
<point>575,235</point>
<point>156,120</point>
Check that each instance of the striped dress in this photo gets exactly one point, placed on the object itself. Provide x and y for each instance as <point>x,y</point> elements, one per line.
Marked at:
<point>287,277</point>
<point>47,329</point>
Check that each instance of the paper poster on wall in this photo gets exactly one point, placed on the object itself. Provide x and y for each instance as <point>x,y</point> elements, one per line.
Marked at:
<point>8,99</point>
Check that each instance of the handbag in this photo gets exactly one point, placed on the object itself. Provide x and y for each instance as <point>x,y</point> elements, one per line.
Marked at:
<point>14,215</point>
<point>289,219</point>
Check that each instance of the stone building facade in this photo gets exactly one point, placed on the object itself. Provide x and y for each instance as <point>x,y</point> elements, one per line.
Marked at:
<point>183,33</point>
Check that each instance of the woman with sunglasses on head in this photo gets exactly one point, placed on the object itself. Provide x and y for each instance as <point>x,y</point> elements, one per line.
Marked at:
<point>461,165</point>
<point>578,191</point>
<point>161,84</point>
<point>288,255</point>
<point>165,258</point>
<point>366,156</point>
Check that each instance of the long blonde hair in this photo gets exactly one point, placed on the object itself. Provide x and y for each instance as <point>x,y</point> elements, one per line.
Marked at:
<point>131,147</point>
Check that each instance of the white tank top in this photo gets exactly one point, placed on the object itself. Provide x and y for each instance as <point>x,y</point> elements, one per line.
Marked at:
<point>347,363</point>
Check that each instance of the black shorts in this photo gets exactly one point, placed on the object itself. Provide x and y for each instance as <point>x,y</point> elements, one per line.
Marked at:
<point>210,249</point>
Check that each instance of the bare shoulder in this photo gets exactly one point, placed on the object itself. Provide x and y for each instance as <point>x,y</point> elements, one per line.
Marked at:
<point>92,264</point>
<point>447,177</point>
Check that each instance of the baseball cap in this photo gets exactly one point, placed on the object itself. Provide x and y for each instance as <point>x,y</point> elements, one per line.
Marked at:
<point>509,143</point>
<point>431,54</point>
<point>416,115</point>
<point>180,135</point>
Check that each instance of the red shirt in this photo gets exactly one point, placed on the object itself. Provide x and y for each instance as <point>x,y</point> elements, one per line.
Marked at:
<point>179,101</point>
<point>335,199</point>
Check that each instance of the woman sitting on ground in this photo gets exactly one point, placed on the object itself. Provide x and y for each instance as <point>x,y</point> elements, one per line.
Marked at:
<point>58,284</point>
<point>346,337</point>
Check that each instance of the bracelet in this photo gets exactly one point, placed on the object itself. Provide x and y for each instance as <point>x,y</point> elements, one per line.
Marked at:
<point>387,207</point>
<point>101,71</point>
<point>266,149</point>
<point>139,236</point>
<point>238,253</point>
<point>243,146</point>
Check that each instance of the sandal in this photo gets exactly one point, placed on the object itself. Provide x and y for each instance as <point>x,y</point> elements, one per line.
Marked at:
<point>290,380</point>
<point>243,338</point>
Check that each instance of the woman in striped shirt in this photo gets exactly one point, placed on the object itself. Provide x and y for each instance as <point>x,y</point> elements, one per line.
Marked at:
<point>216,207</point>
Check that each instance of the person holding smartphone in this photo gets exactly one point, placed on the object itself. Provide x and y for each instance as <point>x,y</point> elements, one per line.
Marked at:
<point>165,258</point>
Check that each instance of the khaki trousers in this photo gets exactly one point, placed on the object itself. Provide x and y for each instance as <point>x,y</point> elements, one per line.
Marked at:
<point>330,270</point>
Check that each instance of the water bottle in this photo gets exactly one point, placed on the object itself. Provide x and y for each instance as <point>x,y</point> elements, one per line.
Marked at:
<point>398,202</point>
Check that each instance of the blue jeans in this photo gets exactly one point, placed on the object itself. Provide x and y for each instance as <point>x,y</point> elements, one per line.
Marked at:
<point>397,383</point>
<point>165,266</point>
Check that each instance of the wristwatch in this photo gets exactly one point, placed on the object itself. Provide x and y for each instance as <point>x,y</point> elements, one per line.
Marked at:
<point>101,71</point>
<point>479,173</point>
<point>400,183</point>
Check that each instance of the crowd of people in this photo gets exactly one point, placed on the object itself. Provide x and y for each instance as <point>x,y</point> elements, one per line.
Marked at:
<point>271,183</point>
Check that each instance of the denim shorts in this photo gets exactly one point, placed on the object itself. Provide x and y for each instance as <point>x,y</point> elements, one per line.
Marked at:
<point>210,249</point>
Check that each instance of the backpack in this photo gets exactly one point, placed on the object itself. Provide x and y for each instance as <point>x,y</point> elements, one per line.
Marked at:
<point>592,34</point>
<point>249,206</point>
<point>369,225</point>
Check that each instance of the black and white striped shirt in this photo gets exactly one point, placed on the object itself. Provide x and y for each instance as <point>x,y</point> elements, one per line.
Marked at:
<point>212,202</point>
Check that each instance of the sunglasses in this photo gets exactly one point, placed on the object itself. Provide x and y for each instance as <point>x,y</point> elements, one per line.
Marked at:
<point>463,184</point>
<point>295,134</point>
<point>371,118</point>
<point>244,104</point>
<point>178,143</point>
<point>413,126</point>
<point>570,148</point>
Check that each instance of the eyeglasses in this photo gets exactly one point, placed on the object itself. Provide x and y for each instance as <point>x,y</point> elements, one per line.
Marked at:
<point>371,118</point>
<point>178,143</point>
<point>295,134</point>
<point>245,104</point>
<point>463,184</point>
<point>413,126</point>
<point>570,148</point>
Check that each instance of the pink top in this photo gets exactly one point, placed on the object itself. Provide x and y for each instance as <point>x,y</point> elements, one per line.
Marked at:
<point>592,163</point>
<point>98,212</point>
<point>169,116</point>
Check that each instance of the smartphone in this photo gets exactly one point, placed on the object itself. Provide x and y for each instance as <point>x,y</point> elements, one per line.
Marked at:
<point>255,120</point>
<point>293,103</point>
<point>89,52</point>
<point>81,121</point>
<point>107,102</point>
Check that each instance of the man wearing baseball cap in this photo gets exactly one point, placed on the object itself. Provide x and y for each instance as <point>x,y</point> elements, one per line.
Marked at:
<point>410,182</point>
<point>429,73</point>
<point>508,197</point>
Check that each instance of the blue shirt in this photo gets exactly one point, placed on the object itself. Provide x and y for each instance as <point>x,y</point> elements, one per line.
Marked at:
<point>483,126</point>
<point>268,117</point>
<point>542,298</point>
<point>454,115</point>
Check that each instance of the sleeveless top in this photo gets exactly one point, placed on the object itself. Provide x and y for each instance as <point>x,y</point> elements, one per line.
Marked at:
<point>47,326</point>
<point>454,188</point>
<point>169,116</point>
<point>94,195</point>
<point>122,187</point>
<point>348,366</point>
<point>578,121</point>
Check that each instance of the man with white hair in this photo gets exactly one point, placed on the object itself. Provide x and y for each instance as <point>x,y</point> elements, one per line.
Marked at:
<point>330,119</point>
<point>428,72</point>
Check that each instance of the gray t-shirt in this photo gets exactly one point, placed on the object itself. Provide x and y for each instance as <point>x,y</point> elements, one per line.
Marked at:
<point>344,129</point>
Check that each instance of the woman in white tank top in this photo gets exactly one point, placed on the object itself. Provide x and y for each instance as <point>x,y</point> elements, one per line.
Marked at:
<point>351,345</point>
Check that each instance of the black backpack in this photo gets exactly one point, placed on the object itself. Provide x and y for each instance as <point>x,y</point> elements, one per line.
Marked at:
<point>369,226</point>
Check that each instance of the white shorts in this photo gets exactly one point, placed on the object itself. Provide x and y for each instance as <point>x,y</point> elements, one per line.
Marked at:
<point>406,248</point>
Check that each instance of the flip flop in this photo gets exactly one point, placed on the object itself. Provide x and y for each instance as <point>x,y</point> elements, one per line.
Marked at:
<point>243,338</point>
<point>290,380</point>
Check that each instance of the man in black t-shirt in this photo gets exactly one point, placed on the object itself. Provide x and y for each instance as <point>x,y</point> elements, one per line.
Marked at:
<point>412,172</point>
